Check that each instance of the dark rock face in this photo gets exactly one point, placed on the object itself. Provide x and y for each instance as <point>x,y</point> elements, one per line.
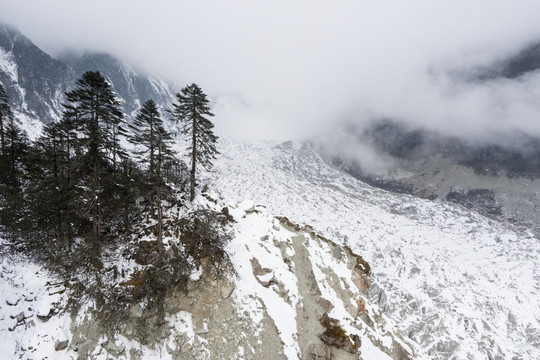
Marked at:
<point>496,180</point>
<point>520,158</point>
<point>134,88</point>
<point>36,86</point>
<point>525,61</point>
<point>481,200</point>
<point>36,82</point>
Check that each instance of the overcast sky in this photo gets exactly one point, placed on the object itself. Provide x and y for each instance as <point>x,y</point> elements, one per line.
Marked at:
<point>291,68</point>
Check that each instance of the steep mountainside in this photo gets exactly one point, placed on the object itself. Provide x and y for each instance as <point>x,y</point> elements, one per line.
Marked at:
<point>133,87</point>
<point>525,61</point>
<point>460,285</point>
<point>36,82</point>
<point>326,267</point>
<point>296,295</point>
<point>497,180</point>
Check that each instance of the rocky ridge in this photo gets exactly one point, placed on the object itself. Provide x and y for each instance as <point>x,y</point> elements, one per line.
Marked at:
<point>295,295</point>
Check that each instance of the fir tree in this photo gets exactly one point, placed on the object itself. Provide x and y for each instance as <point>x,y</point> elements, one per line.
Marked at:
<point>55,198</point>
<point>15,148</point>
<point>192,110</point>
<point>97,113</point>
<point>12,173</point>
<point>6,116</point>
<point>154,148</point>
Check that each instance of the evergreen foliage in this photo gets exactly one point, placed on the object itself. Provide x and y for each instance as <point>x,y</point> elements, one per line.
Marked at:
<point>154,148</point>
<point>5,116</point>
<point>193,110</point>
<point>71,197</point>
<point>13,150</point>
<point>97,115</point>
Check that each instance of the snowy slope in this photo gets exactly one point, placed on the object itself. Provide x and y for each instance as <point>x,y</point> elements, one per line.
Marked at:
<point>445,283</point>
<point>288,279</point>
<point>32,323</point>
<point>460,285</point>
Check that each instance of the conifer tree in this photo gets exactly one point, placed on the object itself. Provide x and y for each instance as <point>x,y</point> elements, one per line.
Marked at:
<point>5,116</point>
<point>54,196</point>
<point>154,148</point>
<point>98,116</point>
<point>16,147</point>
<point>192,110</point>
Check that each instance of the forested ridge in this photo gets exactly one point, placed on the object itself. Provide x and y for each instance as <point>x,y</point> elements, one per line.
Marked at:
<point>94,190</point>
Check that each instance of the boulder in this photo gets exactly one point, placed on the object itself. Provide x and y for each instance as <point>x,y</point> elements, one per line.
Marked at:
<point>275,224</point>
<point>264,276</point>
<point>247,205</point>
<point>113,348</point>
<point>227,290</point>
<point>61,345</point>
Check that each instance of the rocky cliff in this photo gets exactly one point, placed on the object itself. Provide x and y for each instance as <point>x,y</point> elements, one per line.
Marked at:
<point>294,295</point>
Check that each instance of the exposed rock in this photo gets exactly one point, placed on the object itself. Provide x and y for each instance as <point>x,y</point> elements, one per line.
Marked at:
<point>319,352</point>
<point>400,353</point>
<point>12,300</point>
<point>61,345</point>
<point>275,224</point>
<point>335,336</point>
<point>336,252</point>
<point>45,315</point>
<point>129,329</point>
<point>247,205</point>
<point>20,317</point>
<point>361,306</point>
<point>264,276</point>
<point>113,348</point>
<point>186,347</point>
<point>360,282</point>
<point>136,311</point>
<point>227,290</point>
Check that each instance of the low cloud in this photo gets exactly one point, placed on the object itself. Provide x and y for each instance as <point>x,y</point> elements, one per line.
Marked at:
<point>282,69</point>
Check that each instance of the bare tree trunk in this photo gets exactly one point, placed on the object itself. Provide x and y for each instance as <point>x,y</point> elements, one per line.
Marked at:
<point>193,157</point>
<point>2,132</point>
<point>96,211</point>
<point>160,219</point>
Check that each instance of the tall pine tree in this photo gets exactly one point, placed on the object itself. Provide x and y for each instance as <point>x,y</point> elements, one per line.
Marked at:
<point>6,116</point>
<point>154,148</point>
<point>98,115</point>
<point>192,110</point>
<point>55,197</point>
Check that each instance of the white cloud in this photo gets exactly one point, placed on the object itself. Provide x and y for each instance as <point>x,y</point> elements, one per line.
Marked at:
<point>303,65</point>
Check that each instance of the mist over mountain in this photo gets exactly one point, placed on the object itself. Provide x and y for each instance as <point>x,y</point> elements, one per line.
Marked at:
<point>521,64</point>
<point>405,228</point>
<point>133,86</point>
<point>36,82</point>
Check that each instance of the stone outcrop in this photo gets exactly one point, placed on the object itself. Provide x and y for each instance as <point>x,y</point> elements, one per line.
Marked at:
<point>335,305</point>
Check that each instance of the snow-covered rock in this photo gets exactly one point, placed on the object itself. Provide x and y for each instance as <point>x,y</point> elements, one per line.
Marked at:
<point>450,278</point>
<point>327,267</point>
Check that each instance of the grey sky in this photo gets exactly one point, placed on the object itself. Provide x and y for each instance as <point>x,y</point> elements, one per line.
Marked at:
<point>293,68</point>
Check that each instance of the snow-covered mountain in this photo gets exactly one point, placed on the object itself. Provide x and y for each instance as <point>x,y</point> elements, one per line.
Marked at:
<point>326,266</point>
<point>498,177</point>
<point>36,82</point>
<point>460,285</point>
